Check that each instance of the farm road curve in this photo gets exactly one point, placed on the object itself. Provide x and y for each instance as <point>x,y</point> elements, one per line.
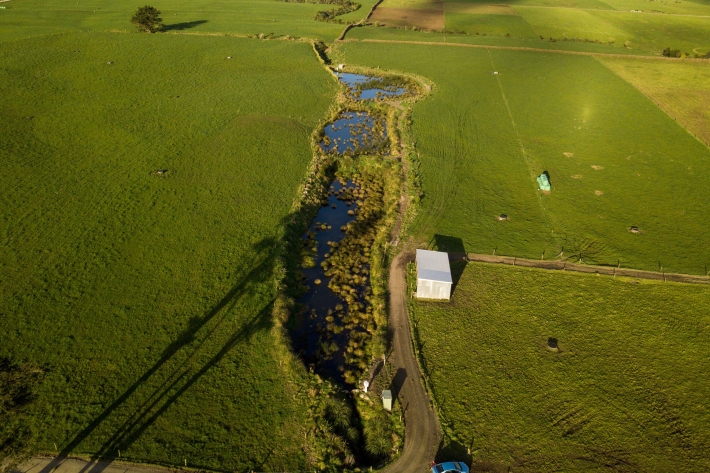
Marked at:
<point>422,432</point>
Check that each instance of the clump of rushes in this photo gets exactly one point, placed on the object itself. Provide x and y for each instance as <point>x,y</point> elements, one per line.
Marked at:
<point>348,269</point>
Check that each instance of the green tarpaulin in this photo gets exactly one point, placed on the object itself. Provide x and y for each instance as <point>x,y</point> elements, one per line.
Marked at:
<point>543,182</point>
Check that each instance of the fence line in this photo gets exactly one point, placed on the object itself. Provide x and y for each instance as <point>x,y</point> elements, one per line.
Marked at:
<point>560,265</point>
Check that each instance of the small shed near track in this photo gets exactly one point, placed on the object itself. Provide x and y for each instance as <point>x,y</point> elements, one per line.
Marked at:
<point>433,275</point>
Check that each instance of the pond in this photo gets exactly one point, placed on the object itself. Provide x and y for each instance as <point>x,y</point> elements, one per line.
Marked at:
<point>321,337</point>
<point>356,81</point>
<point>353,132</point>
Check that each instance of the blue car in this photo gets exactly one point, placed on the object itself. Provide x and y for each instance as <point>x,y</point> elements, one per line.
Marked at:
<point>450,467</point>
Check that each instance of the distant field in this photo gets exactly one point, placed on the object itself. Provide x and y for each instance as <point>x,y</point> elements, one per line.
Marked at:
<point>626,392</point>
<point>615,159</point>
<point>646,32</point>
<point>684,26</point>
<point>148,297</point>
<point>681,88</point>
<point>483,39</point>
<point>26,18</point>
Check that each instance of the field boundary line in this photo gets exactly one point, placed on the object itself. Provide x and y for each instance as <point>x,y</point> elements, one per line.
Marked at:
<point>658,104</point>
<point>536,50</point>
<point>372,10</point>
<point>350,26</point>
<point>562,265</point>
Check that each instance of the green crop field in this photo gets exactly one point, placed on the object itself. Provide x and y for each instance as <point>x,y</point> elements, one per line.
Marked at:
<point>148,297</point>
<point>682,89</point>
<point>626,391</point>
<point>615,159</point>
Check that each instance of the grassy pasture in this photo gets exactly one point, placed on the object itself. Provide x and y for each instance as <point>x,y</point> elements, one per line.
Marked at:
<point>148,297</point>
<point>626,391</point>
<point>26,18</point>
<point>630,163</point>
<point>627,162</point>
<point>485,39</point>
<point>596,4</point>
<point>471,164</point>
<point>646,32</point>
<point>489,24</point>
<point>699,8</point>
<point>686,25</point>
<point>682,89</point>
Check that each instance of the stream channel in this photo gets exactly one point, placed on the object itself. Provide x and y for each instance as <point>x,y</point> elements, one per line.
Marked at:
<point>322,335</point>
<point>323,348</point>
<point>353,81</point>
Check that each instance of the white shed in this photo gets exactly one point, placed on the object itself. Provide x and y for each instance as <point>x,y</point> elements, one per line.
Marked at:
<point>433,275</point>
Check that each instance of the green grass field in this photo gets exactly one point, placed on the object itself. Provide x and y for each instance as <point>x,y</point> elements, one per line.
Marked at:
<point>148,298</point>
<point>682,89</point>
<point>26,18</point>
<point>372,33</point>
<point>648,33</point>
<point>642,26</point>
<point>626,391</point>
<point>483,138</point>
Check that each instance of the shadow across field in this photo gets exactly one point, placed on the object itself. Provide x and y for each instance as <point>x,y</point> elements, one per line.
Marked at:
<point>183,26</point>
<point>457,253</point>
<point>175,372</point>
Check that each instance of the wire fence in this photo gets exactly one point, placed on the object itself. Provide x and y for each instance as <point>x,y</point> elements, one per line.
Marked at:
<point>588,268</point>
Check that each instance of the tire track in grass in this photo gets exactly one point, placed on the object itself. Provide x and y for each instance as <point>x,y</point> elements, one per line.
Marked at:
<point>450,159</point>
<point>515,128</point>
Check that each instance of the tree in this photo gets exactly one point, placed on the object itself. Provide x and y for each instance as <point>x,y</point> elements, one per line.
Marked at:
<point>147,19</point>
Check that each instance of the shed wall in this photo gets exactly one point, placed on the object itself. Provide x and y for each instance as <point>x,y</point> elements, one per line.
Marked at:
<point>427,289</point>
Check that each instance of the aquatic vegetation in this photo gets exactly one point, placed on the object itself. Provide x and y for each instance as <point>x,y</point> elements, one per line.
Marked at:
<point>355,132</point>
<point>366,87</point>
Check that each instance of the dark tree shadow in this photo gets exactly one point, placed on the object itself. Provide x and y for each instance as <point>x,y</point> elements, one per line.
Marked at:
<point>398,382</point>
<point>183,26</point>
<point>178,379</point>
<point>452,450</point>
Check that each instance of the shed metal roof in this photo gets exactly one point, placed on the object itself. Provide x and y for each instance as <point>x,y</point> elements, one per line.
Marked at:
<point>433,266</point>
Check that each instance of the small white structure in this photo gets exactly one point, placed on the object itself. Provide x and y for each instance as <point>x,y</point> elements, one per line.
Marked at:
<point>433,275</point>
<point>387,399</point>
